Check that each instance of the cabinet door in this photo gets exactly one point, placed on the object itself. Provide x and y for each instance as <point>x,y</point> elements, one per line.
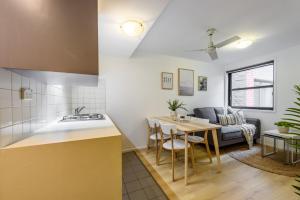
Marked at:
<point>49,35</point>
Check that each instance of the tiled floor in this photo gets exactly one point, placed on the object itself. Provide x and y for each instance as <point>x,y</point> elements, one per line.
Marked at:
<point>138,184</point>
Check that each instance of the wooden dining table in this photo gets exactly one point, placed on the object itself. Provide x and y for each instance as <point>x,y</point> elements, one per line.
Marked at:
<point>188,127</point>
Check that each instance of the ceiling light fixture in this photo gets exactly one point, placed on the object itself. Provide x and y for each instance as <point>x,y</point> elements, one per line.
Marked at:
<point>244,43</point>
<point>132,28</point>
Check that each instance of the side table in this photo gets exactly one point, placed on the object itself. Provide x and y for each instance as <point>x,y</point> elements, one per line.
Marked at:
<point>289,151</point>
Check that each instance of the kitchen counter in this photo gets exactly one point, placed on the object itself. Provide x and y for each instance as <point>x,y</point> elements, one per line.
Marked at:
<point>58,132</point>
<point>64,161</point>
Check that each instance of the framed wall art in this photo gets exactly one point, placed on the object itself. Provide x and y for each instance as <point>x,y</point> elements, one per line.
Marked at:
<point>202,83</point>
<point>185,82</point>
<point>167,81</point>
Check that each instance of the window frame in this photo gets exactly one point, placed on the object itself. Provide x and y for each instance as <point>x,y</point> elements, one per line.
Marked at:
<point>229,79</point>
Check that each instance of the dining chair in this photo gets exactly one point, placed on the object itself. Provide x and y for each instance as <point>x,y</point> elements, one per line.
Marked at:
<point>174,145</point>
<point>154,135</point>
<point>194,139</point>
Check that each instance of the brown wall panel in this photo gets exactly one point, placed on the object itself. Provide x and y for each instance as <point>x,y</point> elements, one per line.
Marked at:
<point>49,35</point>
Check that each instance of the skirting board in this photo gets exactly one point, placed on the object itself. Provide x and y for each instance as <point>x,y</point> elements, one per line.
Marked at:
<point>133,149</point>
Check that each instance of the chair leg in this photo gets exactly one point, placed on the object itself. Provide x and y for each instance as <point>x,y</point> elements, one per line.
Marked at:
<point>192,157</point>
<point>208,151</point>
<point>148,140</point>
<point>158,154</point>
<point>173,174</point>
<point>157,149</point>
<point>193,149</point>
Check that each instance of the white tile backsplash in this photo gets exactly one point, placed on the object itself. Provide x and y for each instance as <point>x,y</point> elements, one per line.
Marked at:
<point>93,98</point>
<point>17,115</point>
<point>5,117</point>
<point>17,130</point>
<point>6,136</point>
<point>16,82</point>
<point>5,98</point>
<point>25,82</point>
<point>26,129</point>
<point>21,118</point>
<point>16,99</point>
<point>32,85</point>
<point>5,79</point>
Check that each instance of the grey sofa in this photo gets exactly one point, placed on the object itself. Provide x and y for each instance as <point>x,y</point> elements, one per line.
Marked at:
<point>227,135</point>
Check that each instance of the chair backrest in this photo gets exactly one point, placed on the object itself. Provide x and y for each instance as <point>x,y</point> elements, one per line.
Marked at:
<point>166,128</point>
<point>153,122</point>
<point>199,120</point>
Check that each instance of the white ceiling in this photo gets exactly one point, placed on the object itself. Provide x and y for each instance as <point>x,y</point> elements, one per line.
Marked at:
<point>112,41</point>
<point>182,25</point>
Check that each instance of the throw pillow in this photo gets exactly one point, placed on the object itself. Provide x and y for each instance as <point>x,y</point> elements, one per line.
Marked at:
<point>238,115</point>
<point>223,120</point>
<point>226,119</point>
<point>231,119</point>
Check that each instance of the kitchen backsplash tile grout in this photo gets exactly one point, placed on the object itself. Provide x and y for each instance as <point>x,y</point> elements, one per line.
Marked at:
<point>21,118</point>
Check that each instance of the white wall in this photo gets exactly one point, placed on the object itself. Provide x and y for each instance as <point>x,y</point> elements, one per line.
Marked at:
<point>287,74</point>
<point>134,90</point>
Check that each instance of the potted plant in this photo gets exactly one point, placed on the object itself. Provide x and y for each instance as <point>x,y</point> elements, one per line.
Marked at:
<point>173,106</point>
<point>283,127</point>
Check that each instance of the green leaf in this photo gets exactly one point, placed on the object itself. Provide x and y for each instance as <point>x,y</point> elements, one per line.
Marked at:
<point>298,104</point>
<point>293,115</point>
<point>296,187</point>
<point>293,110</point>
<point>175,104</point>
<point>293,120</point>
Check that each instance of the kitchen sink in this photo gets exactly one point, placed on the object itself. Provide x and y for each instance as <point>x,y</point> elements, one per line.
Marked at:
<point>82,117</point>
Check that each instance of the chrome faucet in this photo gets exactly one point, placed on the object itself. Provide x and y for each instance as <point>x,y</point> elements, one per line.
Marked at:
<point>79,109</point>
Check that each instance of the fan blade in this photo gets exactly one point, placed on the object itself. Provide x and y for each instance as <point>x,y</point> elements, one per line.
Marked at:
<point>213,54</point>
<point>228,41</point>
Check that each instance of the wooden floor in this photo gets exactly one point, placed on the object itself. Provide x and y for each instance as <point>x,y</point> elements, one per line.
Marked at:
<point>237,181</point>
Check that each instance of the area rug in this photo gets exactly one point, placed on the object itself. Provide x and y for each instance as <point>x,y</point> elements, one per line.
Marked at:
<point>274,164</point>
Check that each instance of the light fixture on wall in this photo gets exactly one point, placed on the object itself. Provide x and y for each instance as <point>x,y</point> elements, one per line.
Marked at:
<point>132,28</point>
<point>243,43</point>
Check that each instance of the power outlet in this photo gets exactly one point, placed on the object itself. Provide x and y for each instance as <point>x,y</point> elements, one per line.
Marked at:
<point>26,94</point>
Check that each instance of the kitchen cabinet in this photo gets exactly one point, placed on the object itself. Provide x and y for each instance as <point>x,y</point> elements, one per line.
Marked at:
<point>64,161</point>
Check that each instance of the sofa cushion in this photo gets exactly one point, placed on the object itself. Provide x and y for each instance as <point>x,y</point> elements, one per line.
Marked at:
<point>206,113</point>
<point>219,110</point>
<point>231,132</point>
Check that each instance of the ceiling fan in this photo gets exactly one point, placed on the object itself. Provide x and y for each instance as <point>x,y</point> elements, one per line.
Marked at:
<point>212,48</point>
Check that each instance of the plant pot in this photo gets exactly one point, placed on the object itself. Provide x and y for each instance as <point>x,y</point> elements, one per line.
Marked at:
<point>173,115</point>
<point>283,129</point>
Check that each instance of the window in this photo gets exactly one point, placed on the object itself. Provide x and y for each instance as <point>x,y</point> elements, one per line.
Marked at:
<point>252,87</point>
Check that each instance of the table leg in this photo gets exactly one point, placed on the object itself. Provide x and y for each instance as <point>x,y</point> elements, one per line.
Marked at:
<point>287,153</point>
<point>216,144</point>
<point>262,146</point>
<point>186,158</point>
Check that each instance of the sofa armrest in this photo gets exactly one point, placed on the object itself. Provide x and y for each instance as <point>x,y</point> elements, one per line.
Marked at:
<point>255,122</point>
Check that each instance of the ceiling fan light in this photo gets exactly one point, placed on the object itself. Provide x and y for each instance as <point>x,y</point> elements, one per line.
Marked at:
<point>132,28</point>
<point>242,44</point>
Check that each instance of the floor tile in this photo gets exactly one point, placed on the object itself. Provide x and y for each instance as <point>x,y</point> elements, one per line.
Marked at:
<point>129,177</point>
<point>142,174</point>
<point>138,195</point>
<point>133,186</point>
<point>125,197</point>
<point>153,192</point>
<point>145,182</point>
<point>137,181</point>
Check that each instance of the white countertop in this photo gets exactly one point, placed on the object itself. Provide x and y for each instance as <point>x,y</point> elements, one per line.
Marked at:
<point>58,132</point>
